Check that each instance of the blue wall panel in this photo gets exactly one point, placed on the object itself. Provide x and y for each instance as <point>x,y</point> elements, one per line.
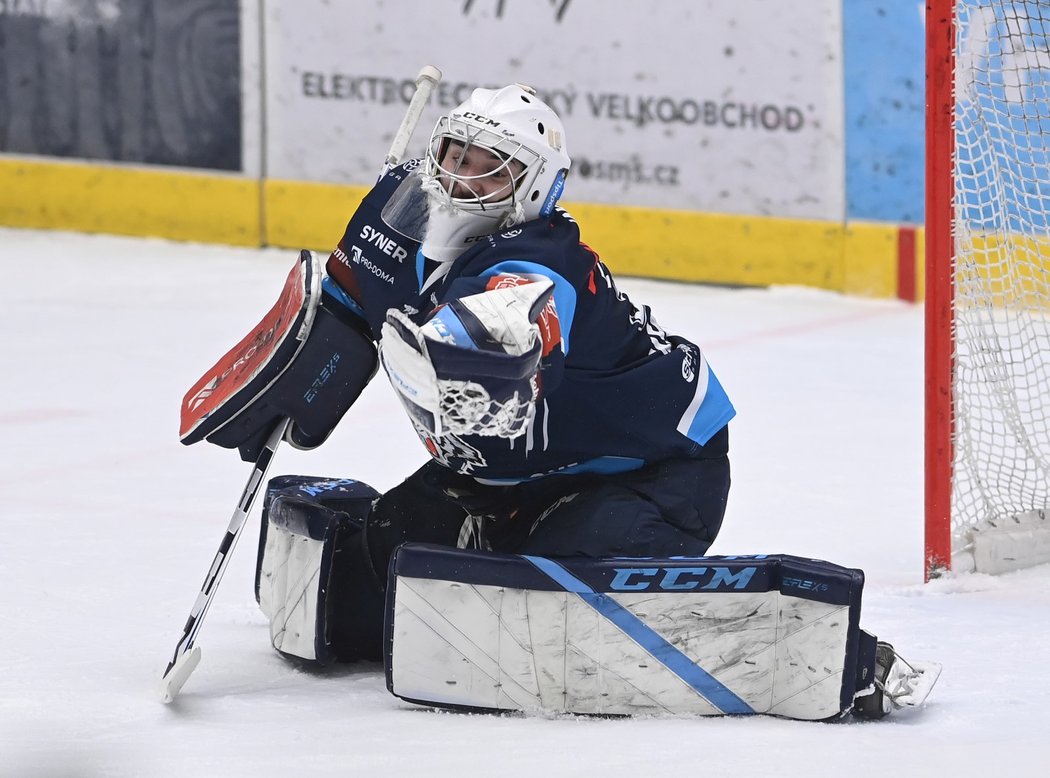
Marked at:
<point>884,43</point>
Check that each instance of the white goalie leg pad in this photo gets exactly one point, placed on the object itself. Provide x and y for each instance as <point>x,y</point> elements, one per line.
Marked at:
<point>702,636</point>
<point>306,522</point>
<point>288,591</point>
<point>300,538</point>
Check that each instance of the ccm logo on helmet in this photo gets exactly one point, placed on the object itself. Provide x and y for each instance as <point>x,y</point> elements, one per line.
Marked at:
<point>481,119</point>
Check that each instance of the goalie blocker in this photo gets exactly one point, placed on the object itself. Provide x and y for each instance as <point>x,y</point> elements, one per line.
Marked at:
<point>474,630</point>
<point>308,360</point>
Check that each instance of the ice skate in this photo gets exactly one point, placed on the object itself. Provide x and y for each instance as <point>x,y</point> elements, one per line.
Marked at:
<point>898,684</point>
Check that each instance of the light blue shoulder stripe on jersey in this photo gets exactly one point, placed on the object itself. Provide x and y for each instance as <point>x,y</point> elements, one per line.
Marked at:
<point>714,411</point>
<point>329,285</point>
<point>564,293</point>
<point>706,685</point>
<point>420,261</point>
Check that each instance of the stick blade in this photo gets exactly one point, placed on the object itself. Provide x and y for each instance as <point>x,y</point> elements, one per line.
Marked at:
<point>173,680</point>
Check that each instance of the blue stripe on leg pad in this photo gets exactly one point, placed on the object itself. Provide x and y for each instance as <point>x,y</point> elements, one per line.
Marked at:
<point>706,685</point>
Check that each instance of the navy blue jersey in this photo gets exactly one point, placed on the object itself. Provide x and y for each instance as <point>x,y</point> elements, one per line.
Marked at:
<point>616,390</point>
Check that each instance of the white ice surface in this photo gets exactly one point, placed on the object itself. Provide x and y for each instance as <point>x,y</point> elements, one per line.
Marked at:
<point>109,525</point>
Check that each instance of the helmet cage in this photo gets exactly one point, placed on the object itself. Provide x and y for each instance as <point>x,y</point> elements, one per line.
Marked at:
<point>467,134</point>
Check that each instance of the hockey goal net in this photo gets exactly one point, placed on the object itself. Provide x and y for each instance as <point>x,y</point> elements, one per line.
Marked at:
<point>988,285</point>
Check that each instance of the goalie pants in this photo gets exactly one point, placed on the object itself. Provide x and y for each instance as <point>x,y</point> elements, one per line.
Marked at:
<point>669,508</point>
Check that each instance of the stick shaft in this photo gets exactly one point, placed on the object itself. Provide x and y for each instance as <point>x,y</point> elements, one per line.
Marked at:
<point>222,556</point>
<point>427,79</point>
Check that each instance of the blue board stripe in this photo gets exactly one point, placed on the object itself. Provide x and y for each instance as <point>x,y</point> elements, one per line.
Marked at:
<point>706,685</point>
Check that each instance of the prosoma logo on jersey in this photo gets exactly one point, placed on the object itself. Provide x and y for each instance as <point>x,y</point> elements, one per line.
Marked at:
<point>357,257</point>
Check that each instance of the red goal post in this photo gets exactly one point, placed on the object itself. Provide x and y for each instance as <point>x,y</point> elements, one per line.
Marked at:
<point>987,393</point>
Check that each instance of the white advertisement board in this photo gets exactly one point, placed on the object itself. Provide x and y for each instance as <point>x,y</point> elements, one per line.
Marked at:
<point>727,106</point>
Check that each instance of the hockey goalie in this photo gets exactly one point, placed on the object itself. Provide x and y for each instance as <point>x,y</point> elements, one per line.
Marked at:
<point>551,554</point>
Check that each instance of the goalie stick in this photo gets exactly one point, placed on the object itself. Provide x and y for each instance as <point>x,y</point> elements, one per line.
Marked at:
<point>426,80</point>
<point>187,655</point>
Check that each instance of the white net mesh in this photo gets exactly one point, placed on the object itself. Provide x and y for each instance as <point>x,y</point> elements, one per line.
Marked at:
<point>468,409</point>
<point>1002,246</point>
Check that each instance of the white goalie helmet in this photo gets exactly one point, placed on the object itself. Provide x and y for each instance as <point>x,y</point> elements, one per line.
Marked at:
<point>496,160</point>
<point>526,137</point>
